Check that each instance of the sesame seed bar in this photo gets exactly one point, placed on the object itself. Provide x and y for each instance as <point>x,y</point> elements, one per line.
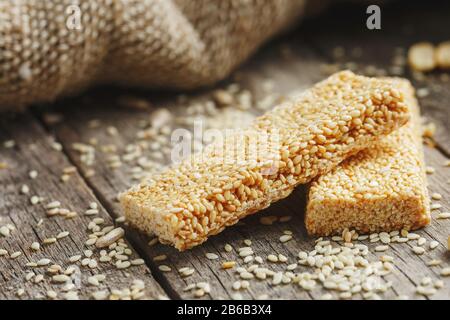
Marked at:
<point>382,188</point>
<point>211,190</point>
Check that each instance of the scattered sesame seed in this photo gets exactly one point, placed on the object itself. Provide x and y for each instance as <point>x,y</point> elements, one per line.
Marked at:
<point>38,278</point>
<point>430,170</point>
<point>418,250</point>
<point>20,292</point>
<point>24,189</point>
<point>434,262</point>
<point>381,248</point>
<point>228,264</point>
<point>33,174</point>
<point>285,238</point>
<point>43,262</point>
<point>445,272</point>
<point>62,234</point>
<point>60,278</point>
<point>109,238</point>
<point>16,254</point>
<point>137,262</point>
<point>433,244</point>
<point>211,256</point>
<point>49,240</point>
<point>51,294</point>
<point>443,215</point>
<point>4,231</point>
<point>436,196</point>
<point>421,241</point>
<point>35,246</point>
<point>161,257</point>
<point>164,268</point>
<point>74,258</point>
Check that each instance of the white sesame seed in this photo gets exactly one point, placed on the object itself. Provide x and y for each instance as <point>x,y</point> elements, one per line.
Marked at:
<point>164,268</point>
<point>161,257</point>
<point>62,234</point>
<point>24,189</point>
<point>60,278</point>
<point>38,278</point>
<point>435,206</point>
<point>434,262</point>
<point>137,262</point>
<point>246,275</point>
<point>413,236</point>
<point>35,200</point>
<point>74,258</point>
<point>120,219</point>
<point>445,272</point>
<point>16,254</point>
<point>439,284</point>
<point>109,238</point>
<point>443,215</point>
<point>418,250</point>
<point>43,262</point>
<point>285,238</point>
<point>91,212</point>
<point>236,285</point>
<point>93,263</point>
<point>430,170</point>
<point>91,241</point>
<point>33,174</point>
<point>277,277</point>
<point>421,241</point>
<point>51,294</point>
<point>436,196</point>
<point>29,275</point>
<point>4,231</point>
<point>434,244</point>
<point>426,291</point>
<point>211,256</point>
<point>35,246</point>
<point>381,248</point>
<point>93,281</point>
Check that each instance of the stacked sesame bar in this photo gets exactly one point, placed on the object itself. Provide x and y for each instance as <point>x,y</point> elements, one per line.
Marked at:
<point>209,191</point>
<point>382,188</point>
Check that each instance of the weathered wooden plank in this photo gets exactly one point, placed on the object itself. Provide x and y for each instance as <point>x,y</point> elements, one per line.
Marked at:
<point>108,183</point>
<point>33,151</point>
<point>381,52</point>
<point>295,68</point>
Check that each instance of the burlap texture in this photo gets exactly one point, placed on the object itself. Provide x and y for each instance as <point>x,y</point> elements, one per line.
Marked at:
<point>178,44</point>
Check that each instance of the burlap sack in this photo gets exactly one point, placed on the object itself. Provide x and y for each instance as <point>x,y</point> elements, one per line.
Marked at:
<point>52,48</point>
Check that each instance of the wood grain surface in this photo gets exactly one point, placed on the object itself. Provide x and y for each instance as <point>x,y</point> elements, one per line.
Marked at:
<point>292,63</point>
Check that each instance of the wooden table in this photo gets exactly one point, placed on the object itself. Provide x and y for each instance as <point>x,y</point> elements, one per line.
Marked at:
<point>293,62</point>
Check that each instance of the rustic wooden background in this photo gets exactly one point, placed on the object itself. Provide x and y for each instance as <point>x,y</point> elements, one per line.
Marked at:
<point>293,62</point>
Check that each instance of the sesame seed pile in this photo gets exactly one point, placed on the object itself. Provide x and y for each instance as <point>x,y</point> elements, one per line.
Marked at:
<point>343,266</point>
<point>326,124</point>
<point>380,189</point>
